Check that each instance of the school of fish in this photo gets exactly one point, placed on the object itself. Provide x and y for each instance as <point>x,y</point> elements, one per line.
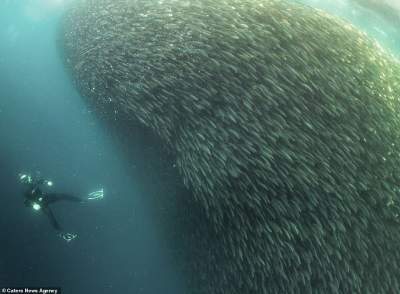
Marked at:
<point>285,122</point>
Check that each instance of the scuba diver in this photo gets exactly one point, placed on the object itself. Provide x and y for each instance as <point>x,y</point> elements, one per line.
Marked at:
<point>40,201</point>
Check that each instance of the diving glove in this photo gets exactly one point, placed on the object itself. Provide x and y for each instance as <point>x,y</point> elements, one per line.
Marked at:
<point>68,236</point>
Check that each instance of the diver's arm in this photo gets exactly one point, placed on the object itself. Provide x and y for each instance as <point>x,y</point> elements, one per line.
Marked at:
<point>66,236</point>
<point>41,182</point>
<point>47,211</point>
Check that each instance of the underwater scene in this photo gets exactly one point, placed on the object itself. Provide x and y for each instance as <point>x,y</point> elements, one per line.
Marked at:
<point>200,147</point>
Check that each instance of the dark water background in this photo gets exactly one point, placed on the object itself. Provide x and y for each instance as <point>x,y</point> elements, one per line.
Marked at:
<point>44,125</point>
<point>124,243</point>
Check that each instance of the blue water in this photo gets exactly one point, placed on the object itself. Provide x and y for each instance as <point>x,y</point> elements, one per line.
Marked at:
<point>375,24</point>
<point>45,125</point>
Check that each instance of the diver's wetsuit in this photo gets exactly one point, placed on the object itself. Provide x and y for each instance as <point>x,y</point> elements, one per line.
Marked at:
<point>34,195</point>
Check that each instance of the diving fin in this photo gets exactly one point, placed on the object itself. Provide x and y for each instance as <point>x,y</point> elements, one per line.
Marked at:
<point>96,194</point>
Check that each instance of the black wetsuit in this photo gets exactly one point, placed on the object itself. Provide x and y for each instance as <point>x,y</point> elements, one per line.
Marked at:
<point>34,195</point>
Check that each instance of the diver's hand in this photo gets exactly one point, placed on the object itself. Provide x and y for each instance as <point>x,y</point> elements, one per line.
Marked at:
<point>67,236</point>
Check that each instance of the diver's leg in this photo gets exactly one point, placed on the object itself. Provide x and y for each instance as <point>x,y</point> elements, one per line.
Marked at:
<point>55,197</point>
<point>47,211</point>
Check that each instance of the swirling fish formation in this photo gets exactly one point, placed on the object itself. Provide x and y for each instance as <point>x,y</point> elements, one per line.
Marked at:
<point>285,122</point>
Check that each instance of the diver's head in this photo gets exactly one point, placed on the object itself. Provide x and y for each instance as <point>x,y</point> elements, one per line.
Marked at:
<point>25,178</point>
